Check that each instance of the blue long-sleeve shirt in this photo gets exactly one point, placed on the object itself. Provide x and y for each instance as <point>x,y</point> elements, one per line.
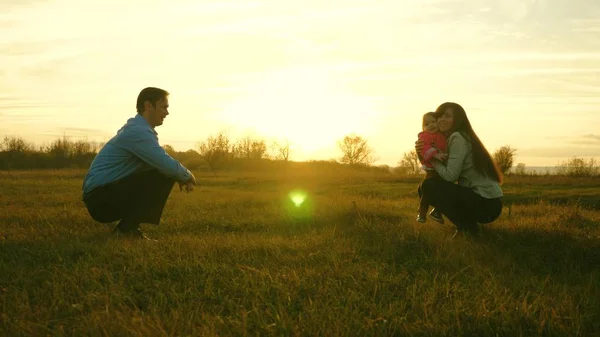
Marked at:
<point>133,149</point>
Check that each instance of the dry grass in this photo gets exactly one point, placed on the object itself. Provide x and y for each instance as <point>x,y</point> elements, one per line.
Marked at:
<point>237,258</point>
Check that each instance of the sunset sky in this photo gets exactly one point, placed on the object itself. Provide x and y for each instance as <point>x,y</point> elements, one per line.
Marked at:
<point>526,71</point>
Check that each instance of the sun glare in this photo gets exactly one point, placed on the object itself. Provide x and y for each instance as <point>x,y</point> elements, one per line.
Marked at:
<point>307,106</point>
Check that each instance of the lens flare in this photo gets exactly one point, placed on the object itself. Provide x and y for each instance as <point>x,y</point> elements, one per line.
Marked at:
<point>297,198</point>
<point>299,206</point>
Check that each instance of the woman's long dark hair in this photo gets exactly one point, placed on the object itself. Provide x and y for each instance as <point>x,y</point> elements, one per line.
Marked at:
<point>482,161</point>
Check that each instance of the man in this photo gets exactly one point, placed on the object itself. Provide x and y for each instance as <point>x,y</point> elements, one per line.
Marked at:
<point>132,176</point>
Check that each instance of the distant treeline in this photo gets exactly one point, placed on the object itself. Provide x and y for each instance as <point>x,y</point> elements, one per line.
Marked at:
<point>18,154</point>
<point>219,152</point>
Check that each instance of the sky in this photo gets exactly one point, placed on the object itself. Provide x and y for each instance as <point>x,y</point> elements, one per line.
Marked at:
<point>526,71</point>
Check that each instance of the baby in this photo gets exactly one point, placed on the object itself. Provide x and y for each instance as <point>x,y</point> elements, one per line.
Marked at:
<point>434,143</point>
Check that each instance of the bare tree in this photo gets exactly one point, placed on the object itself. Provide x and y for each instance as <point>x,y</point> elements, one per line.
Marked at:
<point>16,153</point>
<point>16,144</point>
<point>258,150</point>
<point>241,148</point>
<point>60,148</point>
<point>282,149</point>
<point>578,167</point>
<point>248,147</point>
<point>504,158</point>
<point>84,147</point>
<point>410,164</point>
<point>356,150</point>
<point>215,150</point>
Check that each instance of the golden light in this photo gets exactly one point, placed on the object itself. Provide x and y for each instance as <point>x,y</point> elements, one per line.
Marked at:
<point>307,106</point>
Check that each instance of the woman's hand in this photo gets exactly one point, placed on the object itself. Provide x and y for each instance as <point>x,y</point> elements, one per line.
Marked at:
<point>441,156</point>
<point>419,148</point>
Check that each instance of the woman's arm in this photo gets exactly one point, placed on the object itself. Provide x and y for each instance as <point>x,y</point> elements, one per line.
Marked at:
<point>458,148</point>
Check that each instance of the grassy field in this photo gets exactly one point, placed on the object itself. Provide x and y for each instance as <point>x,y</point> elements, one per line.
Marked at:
<point>237,257</point>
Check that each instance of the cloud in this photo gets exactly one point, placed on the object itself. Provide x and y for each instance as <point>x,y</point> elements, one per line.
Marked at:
<point>47,69</point>
<point>11,4</point>
<point>561,152</point>
<point>520,25</point>
<point>15,103</point>
<point>24,106</point>
<point>591,139</point>
<point>12,106</point>
<point>28,119</point>
<point>77,132</point>
<point>35,47</point>
<point>581,141</point>
<point>586,25</point>
<point>6,24</point>
<point>592,136</point>
<point>8,98</point>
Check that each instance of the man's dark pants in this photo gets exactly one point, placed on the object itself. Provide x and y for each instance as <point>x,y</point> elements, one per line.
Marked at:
<point>135,199</point>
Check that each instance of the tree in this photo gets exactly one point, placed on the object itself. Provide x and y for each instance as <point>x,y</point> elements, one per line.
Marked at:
<point>60,148</point>
<point>170,150</point>
<point>64,152</point>
<point>16,144</point>
<point>410,164</point>
<point>190,159</point>
<point>215,150</point>
<point>356,150</point>
<point>282,149</point>
<point>16,153</point>
<point>520,170</point>
<point>258,149</point>
<point>504,158</point>
<point>241,149</point>
<point>84,148</point>
<point>578,167</point>
<point>249,148</point>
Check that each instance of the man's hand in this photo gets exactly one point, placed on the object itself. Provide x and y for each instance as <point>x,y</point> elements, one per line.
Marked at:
<point>188,185</point>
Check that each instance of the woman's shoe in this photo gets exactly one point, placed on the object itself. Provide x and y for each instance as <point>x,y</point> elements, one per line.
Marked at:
<point>436,215</point>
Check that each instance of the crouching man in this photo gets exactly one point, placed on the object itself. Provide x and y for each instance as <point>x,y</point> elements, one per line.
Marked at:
<point>132,176</point>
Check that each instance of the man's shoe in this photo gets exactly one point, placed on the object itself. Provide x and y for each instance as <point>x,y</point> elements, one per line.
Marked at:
<point>421,219</point>
<point>436,215</point>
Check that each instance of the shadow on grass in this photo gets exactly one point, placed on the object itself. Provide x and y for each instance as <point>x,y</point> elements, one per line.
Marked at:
<point>565,256</point>
<point>257,272</point>
<point>554,253</point>
<point>588,201</point>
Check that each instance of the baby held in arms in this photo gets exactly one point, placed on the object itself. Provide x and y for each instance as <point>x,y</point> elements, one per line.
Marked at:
<point>434,146</point>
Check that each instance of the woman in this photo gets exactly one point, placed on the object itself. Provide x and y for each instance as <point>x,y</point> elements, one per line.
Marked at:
<point>477,198</point>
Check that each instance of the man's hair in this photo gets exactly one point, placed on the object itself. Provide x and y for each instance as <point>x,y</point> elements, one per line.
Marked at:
<point>152,95</point>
